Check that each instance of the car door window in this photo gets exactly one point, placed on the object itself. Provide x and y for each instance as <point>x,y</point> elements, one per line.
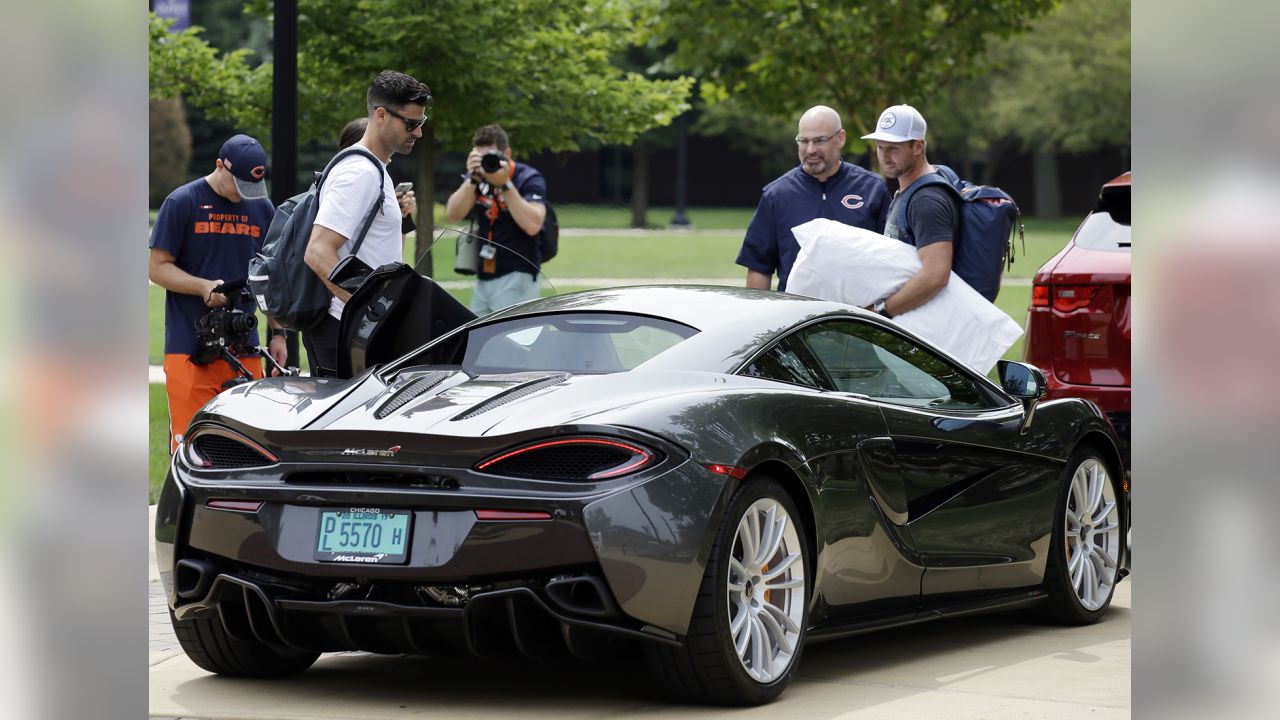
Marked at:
<point>867,360</point>
<point>787,363</point>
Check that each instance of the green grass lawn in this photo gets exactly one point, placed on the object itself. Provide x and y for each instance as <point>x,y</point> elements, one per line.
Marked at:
<point>619,217</point>
<point>706,252</point>
<point>158,440</point>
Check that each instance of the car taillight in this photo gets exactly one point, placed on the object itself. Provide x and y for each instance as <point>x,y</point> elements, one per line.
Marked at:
<point>585,458</point>
<point>1039,296</point>
<point>1073,297</point>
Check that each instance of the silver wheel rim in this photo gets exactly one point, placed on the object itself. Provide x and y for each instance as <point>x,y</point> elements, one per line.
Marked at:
<point>1092,531</point>
<point>766,590</point>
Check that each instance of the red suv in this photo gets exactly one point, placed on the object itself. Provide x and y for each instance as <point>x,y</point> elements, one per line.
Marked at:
<point>1080,320</point>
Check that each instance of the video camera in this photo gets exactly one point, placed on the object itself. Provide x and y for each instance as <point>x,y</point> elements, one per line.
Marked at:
<point>230,333</point>
<point>226,327</point>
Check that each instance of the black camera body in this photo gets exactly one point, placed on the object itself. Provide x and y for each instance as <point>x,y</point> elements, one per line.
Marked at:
<point>491,162</point>
<point>225,327</point>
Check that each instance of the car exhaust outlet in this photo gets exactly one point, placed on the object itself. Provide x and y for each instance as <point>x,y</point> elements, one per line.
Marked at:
<point>584,595</point>
<point>192,578</point>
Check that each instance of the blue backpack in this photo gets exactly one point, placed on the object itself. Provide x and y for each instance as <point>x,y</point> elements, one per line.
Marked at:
<point>988,219</point>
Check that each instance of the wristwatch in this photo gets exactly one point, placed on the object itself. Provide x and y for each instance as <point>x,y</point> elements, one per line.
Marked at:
<point>279,332</point>
<point>878,307</point>
<point>509,186</point>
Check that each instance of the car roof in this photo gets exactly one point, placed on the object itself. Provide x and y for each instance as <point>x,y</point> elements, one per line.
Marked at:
<point>699,306</point>
<point>1123,180</point>
<point>733,322</point>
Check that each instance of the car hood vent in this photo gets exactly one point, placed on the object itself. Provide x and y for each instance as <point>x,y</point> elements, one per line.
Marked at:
<point>539,381</point>
<point>409,392</point>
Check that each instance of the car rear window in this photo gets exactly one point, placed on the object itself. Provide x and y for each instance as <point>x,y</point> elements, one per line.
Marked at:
<point>571,342</point>
<point>1100,231</point>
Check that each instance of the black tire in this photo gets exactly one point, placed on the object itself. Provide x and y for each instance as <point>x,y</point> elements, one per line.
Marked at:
<point>707,668</point>
<point>209,646</point>
<point>1064,605</point>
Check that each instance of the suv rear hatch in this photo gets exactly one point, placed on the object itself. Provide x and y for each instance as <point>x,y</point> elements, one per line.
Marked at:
<point>1088,291</point>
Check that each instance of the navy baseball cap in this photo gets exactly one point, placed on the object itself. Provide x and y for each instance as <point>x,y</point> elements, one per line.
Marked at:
<point>247,161</point>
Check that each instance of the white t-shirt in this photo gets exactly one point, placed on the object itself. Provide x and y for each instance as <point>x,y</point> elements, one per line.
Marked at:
<point>345,198</point>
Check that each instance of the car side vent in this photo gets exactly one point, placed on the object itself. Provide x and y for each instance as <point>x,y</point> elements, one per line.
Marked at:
<point>581,458</point>
<point>409,392</point>
<point>219,452</point>
<point>514,393</point>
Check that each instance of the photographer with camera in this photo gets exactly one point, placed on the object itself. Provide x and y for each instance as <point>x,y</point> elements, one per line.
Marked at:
<point>507,202</point>
<point>206,232</point>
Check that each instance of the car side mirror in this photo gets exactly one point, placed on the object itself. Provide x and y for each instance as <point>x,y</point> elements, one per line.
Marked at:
<point>1021,380</point>
<point>1024,382</point>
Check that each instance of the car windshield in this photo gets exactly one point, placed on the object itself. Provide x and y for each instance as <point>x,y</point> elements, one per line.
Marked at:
<point>570,342</point>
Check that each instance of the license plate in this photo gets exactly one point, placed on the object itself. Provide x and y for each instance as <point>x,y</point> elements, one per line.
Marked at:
<point>363,535</point>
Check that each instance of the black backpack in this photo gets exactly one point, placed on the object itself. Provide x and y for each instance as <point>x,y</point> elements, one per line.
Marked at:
<point>549,238</point>
<point>988,219</point>
<point>284,286</point>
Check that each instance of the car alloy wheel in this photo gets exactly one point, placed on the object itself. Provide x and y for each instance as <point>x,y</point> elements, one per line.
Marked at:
<point>765,602</point>
<point>747,631</point>
<point>1092,534</point>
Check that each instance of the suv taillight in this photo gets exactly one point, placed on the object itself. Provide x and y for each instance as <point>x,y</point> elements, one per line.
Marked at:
<point>1073,297</point>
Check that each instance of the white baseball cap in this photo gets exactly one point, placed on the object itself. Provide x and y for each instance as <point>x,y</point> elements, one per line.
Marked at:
<point>899,123</point>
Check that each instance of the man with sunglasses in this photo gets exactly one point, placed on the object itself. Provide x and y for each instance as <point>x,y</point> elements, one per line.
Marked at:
<point>822,186</point>
<point>397,105</point>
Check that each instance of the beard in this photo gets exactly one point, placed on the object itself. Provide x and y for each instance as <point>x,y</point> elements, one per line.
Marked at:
<point>815,167</point>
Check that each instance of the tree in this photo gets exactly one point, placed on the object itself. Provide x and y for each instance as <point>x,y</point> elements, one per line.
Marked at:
<point>169,150</point>
<point>779,57</point>
<point>184,65</point>
<point>1064,86</point>
<point>549,82</point>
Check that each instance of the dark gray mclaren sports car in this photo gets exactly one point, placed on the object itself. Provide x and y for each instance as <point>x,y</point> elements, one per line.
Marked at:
<point>714,475</point>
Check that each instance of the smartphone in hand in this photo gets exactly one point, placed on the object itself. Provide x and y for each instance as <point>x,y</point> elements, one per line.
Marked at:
<point>403,188</point>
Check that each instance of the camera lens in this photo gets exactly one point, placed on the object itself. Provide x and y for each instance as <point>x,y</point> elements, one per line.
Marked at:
<point>491,162</point>
<point>241,322</point>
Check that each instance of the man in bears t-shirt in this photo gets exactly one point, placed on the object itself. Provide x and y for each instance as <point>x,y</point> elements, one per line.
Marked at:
<point>205,233</point>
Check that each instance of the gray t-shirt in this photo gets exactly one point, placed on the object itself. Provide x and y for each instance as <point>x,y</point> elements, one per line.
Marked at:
<point>933,216</point>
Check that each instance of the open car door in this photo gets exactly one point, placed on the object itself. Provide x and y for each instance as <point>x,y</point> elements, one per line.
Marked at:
<point>393,311</point>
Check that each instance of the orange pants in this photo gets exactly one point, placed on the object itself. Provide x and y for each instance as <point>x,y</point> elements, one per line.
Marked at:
<point>190,386</point>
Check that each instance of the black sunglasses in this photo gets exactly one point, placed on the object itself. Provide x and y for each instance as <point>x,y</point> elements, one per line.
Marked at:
<point>409,125</point>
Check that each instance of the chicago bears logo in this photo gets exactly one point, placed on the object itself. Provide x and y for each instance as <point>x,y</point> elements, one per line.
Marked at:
<point>888,120</point>
<point>259,172</point>
<point>853,202</point>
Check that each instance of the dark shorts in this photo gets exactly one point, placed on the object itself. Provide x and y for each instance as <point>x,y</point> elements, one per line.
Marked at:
<point>321,343</point>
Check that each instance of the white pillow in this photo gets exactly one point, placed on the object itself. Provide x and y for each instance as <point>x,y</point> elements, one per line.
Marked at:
<point>851,265</point>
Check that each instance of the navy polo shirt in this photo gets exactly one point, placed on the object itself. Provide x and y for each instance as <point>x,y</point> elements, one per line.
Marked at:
<point>853,196</point>
<point>517,250</point>
<point>210,237</point>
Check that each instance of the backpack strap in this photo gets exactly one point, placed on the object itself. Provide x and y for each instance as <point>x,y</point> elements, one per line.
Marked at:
<point>945,177</point>
<point>376,209</point>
